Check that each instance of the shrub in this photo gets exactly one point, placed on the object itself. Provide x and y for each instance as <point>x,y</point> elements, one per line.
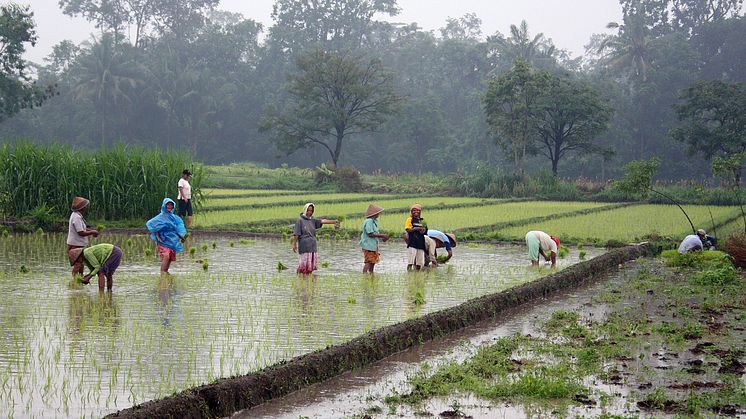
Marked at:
<point>348,179</point>
<point>42,217</point>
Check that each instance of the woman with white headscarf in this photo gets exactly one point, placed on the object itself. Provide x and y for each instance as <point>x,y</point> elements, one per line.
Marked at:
<point>304,239</point>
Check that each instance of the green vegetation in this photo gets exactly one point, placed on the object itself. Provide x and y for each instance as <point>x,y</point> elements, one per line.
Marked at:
<point>661,325</point>
<point>121,183</point>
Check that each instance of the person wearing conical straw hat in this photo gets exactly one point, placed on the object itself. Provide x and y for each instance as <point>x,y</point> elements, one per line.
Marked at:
<point>369,238</point>
<point>77,230</point>
<point>304,239</point>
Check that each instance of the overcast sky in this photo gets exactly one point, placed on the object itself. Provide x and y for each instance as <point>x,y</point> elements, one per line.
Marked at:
<point>569,23</point>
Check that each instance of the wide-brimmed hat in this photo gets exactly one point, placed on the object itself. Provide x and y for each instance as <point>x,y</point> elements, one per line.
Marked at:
<point>452,239</point>
<point>373,209</point>
<point>415,206</point>
<point>74,254</point>
<point>186,172</point>
<point>701,232</point>
<point>79,203</point>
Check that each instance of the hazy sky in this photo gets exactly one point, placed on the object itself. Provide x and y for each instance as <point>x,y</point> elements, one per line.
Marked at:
<point>569,23</point>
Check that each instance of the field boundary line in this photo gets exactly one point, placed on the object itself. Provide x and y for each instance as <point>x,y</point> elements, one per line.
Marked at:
<point>230,395</point>
<point>280,221</point>
<point>516,223</point>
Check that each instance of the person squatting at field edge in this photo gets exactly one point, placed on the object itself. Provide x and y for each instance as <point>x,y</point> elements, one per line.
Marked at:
<point>304,239</point>
<point>369,238</point>
<point>168,232</point>
<point>539,242</point>
<point>416,229</point>
<point>699,241</point>
<point>102,259</point>
<point>77,230</point>
<point>184,198</point>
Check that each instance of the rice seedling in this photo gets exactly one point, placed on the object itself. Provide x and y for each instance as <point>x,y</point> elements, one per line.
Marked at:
<point>23,269</point>
<point>630,223</point>
<point>324,264</point>
<point>89,356</point>
<point>562,252</point>
<point>204,247</point>
<point>281,266</point>
<point>214,245</point>
<point>192,251</point>
<point>582,254</point>
<point>205,265</point>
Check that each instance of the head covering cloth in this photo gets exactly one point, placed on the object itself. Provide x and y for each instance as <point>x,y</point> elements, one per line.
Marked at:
<point>169,226</point>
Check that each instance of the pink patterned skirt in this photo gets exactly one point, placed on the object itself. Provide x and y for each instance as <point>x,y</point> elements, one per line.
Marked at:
<point>307,263</point>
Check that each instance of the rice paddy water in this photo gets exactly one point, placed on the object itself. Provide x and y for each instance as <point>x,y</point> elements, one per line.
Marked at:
<point>67,350</point>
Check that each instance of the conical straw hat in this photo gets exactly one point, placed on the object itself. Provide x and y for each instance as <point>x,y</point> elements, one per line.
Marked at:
<point>79,203</point>
<point>373,209</point>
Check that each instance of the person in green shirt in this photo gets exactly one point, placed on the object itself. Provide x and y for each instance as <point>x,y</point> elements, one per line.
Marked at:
<point>102,260</point>
<point>369,238</point>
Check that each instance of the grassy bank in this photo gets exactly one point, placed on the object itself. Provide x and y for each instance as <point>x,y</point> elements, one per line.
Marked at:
<point>671,340</point>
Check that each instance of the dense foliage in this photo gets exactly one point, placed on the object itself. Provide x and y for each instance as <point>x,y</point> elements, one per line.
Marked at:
<point>201,80</point>
<point>123,182</point>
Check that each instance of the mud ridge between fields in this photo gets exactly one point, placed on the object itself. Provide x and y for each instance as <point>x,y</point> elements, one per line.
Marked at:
<point>229,395</point>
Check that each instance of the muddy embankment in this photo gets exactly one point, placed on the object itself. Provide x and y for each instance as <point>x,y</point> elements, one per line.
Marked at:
<point>230,395</point>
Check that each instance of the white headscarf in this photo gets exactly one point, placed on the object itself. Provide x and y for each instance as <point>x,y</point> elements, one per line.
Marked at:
<point>305,208</point>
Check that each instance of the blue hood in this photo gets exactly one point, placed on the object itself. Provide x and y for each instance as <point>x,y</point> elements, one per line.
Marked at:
<point>169,226</point>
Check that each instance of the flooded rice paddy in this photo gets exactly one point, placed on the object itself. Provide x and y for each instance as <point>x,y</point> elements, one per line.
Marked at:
<point>67,350</point>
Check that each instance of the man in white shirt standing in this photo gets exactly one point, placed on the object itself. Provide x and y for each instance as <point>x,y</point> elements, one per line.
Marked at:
<point>78,231</point>
<point>185,197</point>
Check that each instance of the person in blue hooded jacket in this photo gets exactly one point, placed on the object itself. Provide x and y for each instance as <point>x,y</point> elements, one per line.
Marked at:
<point>168,231</point>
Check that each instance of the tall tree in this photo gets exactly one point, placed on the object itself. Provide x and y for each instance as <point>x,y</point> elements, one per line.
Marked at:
<point>332,96</point>
<point>106,78</point>
<point>512,106</point>
<point>573,115</point>
<point>328,25</point>
<point>16,89</point>
<point>714,117</point>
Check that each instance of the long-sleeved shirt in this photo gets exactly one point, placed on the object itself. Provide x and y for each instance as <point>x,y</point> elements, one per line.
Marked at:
<point>96,255</point>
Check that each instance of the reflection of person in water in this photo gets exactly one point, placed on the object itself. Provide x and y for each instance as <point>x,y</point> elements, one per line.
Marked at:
<point>82,305</point>
<point>166,293</point>
<point>305,290</point>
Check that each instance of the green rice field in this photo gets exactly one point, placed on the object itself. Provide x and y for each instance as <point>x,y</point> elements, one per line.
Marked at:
<point>579,222</point>
<point>229,309</point>
<point>69,351</point>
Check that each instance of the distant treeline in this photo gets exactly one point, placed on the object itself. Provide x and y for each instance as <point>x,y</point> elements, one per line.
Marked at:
<point>184,76</point>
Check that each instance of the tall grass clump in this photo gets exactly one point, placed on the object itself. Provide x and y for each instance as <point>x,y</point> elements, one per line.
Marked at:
<point>122,182</point>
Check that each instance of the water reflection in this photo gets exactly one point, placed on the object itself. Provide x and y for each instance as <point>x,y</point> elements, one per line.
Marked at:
<point>155,335</point>
<point>166,291</point>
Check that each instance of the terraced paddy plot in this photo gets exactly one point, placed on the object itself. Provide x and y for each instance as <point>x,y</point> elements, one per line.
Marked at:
<point>299,198</point>
<point>630,223</point>
<point>485,215</point>
<point>220,192</point>
<point>291,212</point>
<point>68,351</point>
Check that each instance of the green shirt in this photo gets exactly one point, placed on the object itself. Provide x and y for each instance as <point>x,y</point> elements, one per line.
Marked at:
<point>370,225</point>
<point>96,255</point>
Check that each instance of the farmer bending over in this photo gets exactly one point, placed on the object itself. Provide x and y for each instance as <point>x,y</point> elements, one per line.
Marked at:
<point>102,259</point>
<point>541,243</point>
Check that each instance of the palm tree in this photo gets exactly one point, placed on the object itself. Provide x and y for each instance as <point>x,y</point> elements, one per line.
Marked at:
<point>106,77</point>
<point>538,51</point>
<point>630,48</point>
